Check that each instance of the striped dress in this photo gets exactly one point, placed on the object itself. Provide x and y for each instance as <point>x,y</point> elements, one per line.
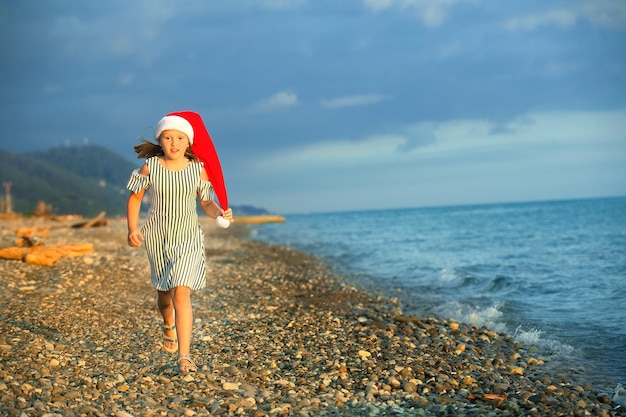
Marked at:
<point>174,239</point>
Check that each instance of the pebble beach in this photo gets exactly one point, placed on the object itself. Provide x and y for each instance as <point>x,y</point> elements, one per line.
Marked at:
<point>276,333</point>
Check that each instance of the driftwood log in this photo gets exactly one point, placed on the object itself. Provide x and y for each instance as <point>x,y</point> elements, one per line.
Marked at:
<point>265,218</point>
<point>99,220</point>
<point>45,255</point>
<point>31,236</point>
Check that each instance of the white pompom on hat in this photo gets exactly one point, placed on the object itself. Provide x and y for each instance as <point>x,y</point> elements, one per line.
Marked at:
<point>173,122</point>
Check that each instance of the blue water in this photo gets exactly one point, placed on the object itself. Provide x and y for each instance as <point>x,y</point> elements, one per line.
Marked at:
<point>553,274</point>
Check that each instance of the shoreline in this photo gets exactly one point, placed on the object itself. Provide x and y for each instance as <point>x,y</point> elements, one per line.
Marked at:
<point>275,333</point>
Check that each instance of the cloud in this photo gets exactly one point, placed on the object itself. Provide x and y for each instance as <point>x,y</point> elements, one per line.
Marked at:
<point>92,36</point>
<point>378,5</point>
<point>431,12</point>
<point>559,68</point>
<point>126,79</point>
<point>531,133</point>
<point>52,89</point>
<point>449,50</point>
<point>464,140</point>
<point>352,101</point>
<point>282,4</point>
<point>603,13</point>
<point>606,13</point>
<point>370,150</point>
<point>560,18</point>
<point>278,101</point>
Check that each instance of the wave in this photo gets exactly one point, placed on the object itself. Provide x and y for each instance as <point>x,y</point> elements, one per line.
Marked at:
<point>476,285</point>
<point>493,318</point>
<point>490,317</point>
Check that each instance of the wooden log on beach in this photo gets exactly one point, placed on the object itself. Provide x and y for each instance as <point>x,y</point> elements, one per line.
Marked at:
<point>41,258</point>
<point>259,219</point>
<point>31,236</point>
<point>45,255</point>
<point>32,240</point>
<point>32,231</point>
<point>99,220</point>
<point>11,216</point>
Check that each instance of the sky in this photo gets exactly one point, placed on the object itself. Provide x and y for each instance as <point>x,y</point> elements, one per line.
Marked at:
<point>326,105</point>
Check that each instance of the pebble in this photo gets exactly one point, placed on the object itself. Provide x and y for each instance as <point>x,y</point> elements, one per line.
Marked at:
<point>276,334</point>
<point>364,354</point>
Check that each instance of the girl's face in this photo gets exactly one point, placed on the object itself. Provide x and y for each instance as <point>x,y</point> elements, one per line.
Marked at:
<point>174,143</point>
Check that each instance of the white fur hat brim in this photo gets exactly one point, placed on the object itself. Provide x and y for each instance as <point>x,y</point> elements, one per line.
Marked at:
<point>174,123</point>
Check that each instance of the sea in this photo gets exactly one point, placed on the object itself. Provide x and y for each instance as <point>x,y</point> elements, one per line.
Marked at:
<point>552,274</point>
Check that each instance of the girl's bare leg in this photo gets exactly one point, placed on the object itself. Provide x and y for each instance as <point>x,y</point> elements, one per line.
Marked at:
<point>166,308</point>
<point>181,297</point>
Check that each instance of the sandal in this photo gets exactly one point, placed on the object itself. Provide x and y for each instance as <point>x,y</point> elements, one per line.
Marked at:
<point>185,364</point>
<point>169,340</point>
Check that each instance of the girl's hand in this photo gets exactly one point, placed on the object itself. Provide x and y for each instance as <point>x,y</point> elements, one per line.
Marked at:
<point>135,237</point>
<point>228,214</point>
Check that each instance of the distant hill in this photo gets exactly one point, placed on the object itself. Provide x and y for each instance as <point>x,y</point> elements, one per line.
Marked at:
<point>81,180</point>
<point>89,161</point>
<point>246,210</point>
<point>61,178</point>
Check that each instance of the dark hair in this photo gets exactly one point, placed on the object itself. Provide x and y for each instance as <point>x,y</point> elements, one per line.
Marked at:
<point>147,149</point>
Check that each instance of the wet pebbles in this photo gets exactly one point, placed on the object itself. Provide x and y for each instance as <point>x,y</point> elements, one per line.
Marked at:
<point>275,334</point>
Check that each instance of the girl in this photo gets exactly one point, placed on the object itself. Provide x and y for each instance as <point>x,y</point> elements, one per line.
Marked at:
<point>174,239</point>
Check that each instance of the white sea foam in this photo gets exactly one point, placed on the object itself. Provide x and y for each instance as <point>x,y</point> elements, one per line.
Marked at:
<point>527,337</point>
<point>619,395</point>
<point>447,275</point>
<point>533,337</point>
<point>492,318</point>
<point>447,278</point>
<point>489,317</point>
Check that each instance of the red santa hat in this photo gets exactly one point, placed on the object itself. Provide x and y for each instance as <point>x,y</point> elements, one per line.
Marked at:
<point>191,124</point>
